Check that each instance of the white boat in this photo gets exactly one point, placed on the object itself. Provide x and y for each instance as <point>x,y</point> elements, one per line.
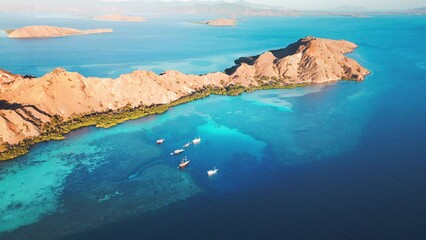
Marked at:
<point>177,151</point>
<point>212,172</point>
<point>184,163</point>
<point>196,141</point>
<point>187,145</point>
<point>160,141</point>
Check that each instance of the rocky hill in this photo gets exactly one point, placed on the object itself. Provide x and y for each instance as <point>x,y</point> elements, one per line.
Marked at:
<point>39,109</point>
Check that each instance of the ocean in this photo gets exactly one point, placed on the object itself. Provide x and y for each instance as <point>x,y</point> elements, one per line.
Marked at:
<point>344,160</point>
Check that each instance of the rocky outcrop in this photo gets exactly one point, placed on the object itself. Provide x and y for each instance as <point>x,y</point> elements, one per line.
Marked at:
<point>50,31</point>
<point>309,60</point>
<point>118,17</point>
<point>7,77</point>
<point>29,107</point>
<point>221,22</point>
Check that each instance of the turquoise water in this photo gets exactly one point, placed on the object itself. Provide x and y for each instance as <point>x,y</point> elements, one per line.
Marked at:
<point>338,161</point>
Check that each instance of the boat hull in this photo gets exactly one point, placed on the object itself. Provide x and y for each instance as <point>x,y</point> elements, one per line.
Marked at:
<point>212,172</point>
<point>183,165</point>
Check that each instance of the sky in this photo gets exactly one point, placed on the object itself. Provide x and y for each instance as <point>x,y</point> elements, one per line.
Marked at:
<point>328,4</point>
<point>294,4</point>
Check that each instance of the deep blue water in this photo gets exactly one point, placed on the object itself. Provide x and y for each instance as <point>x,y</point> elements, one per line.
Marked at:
<point>340,161</point>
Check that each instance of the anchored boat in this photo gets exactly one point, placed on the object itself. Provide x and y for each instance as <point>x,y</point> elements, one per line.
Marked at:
<point>160,141</point>
<point>177,151</point>
<point>184,163</point>
<point>196,140</point>
<point>212,172</point>
<point>187,145</point>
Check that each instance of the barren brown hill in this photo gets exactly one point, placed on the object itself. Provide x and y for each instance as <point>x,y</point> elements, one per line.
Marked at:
<point>38,109</point>
<point>222,22</point>
<point>309,60</point>
<point>50,31</point>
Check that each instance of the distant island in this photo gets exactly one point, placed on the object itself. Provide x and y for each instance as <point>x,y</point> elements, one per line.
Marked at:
<point>40,109</point>
<point>223,8</point>
<point>118,17</point>
<point>50,31</point>
<point>221,22</point>
<point>239,8</point>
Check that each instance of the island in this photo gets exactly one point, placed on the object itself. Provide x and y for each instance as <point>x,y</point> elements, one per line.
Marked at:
<point>119,17</point>
<point>222,22</point>
<point>50,31</point>
<point>33,109</point>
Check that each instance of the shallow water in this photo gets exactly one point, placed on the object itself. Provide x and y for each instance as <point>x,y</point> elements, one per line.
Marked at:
<point>339,161</point>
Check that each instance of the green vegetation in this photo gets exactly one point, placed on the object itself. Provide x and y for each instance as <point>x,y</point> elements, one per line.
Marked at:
<point>57,127</point>
<point>9,31</point>
<point>22,147</point>
<point>203,22</point>
<point>350,79</point>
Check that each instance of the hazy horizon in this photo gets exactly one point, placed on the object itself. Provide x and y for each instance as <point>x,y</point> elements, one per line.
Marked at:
<point>321,5</point>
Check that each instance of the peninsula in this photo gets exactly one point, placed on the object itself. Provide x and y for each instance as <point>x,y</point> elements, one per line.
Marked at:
<point>221,22</point>
<point>40,109</point>
<point>119,17</point>
<point>50,31</point>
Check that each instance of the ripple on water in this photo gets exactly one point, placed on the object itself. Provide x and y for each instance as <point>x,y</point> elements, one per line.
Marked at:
<point>279,98</point>
<point>86,177</point>
<point>27,193</point>
<point>30,187</point>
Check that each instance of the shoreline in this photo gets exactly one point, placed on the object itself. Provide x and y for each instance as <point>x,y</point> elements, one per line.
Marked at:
<point>44,31</point>
<point>58,128</point>
<point>108,102</point>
